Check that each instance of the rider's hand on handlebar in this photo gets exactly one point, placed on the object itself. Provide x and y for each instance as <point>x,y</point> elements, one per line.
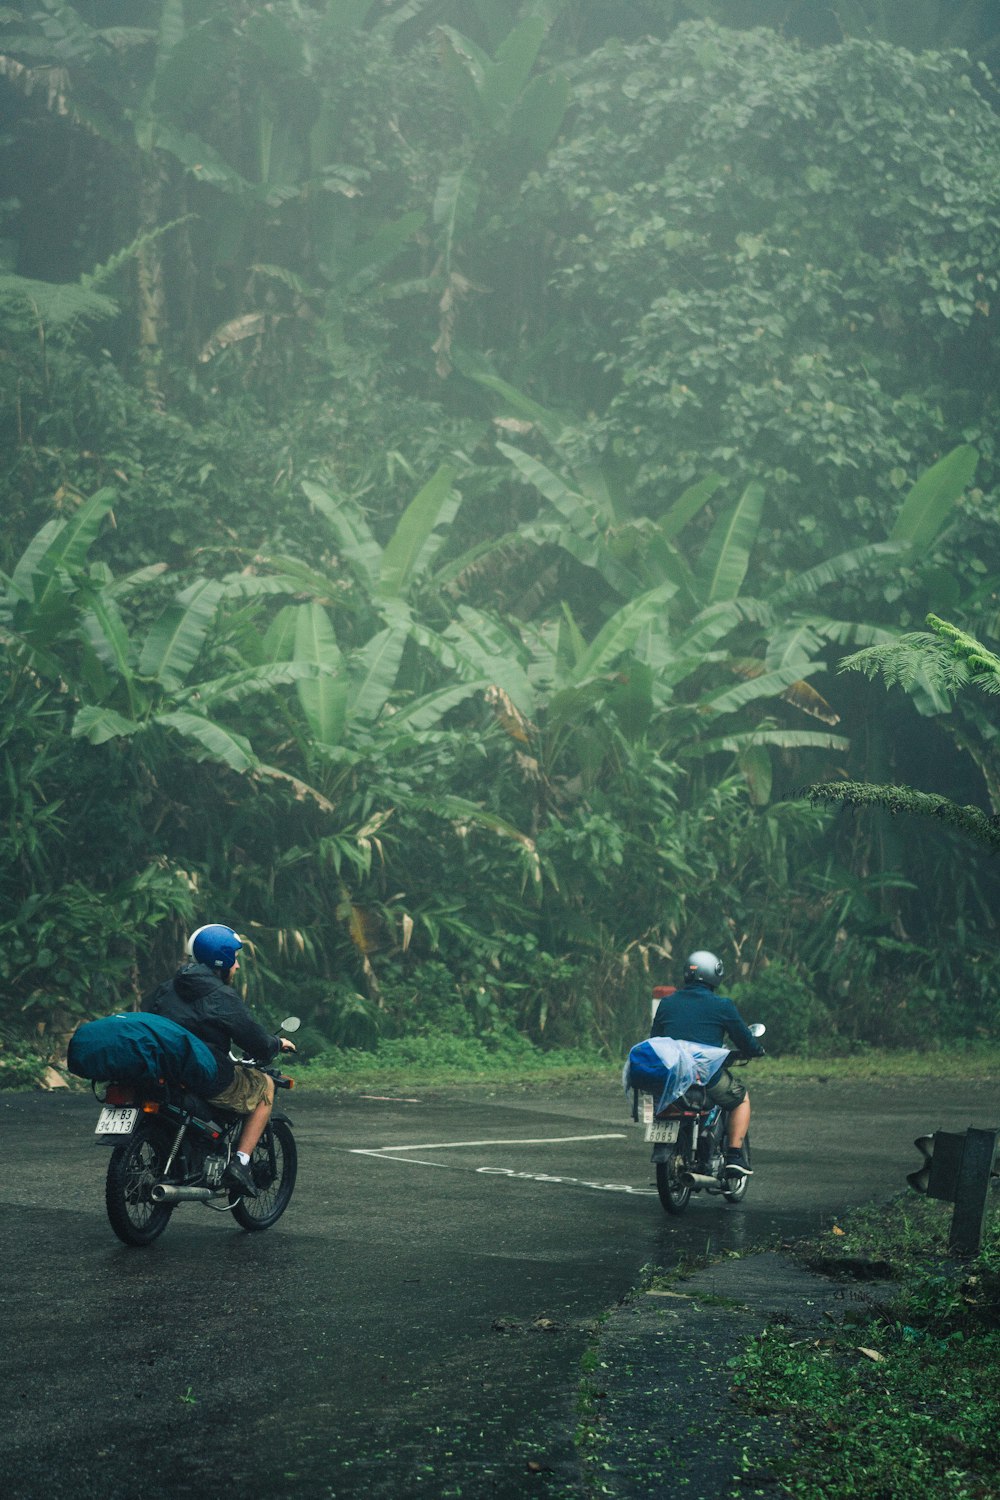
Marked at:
<point>287,1046</point>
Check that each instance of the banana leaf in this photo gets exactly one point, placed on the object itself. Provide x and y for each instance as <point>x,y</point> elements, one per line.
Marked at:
<point>351,531</point>
<point>723,564</point>
<point>215,742</point>
<point>413,544</point>
<point>60,545</point>
<point>98,725</point>
<point>931,501</point>
<point>620,633</point>
<point>175,640</point>
<point>373,673</point>
<point>324,701</point>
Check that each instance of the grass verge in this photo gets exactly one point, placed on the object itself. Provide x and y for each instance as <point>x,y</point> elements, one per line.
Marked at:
<point>448,1061</point>
<point>445,1061</point>
<point>903,1405</point>
<point>509,1060</point>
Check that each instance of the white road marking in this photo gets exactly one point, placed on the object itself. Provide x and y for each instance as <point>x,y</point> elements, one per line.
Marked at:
<point>387,1153</point>
<point>600,1187</point>
<point>541,1140</point>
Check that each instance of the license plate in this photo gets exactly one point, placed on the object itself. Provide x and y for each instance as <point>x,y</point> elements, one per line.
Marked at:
<point>116,1121</point>
<point>665,1131</point>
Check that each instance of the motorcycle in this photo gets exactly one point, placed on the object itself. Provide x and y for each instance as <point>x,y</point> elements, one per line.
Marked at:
<point>689,1145</point>
<point>171,1147</point>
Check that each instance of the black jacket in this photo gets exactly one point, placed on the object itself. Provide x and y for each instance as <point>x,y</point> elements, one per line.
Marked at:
<point>198,1000</point>
<point>697,1014</point>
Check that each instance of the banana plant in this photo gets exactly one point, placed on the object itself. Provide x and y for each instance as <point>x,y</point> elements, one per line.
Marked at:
<point>133,87</point>
<point>776,644</point>
<point>64,622</point>
<point>513,112</point>
<point>151,93</point>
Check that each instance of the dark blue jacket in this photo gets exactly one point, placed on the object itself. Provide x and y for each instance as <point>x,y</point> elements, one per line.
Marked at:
<point>697,1014</point>
<point>198,1000</point>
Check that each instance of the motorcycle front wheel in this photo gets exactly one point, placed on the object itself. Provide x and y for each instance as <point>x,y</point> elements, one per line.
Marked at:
<point>738,1191</point>
<point>133,1170</point>
<point>273,1165</point>
<point>675,1195</point>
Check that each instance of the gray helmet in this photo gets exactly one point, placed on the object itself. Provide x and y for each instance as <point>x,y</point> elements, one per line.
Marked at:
<point>703,967</point>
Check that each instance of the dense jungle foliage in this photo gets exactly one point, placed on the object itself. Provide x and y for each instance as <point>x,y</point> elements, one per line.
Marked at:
<point>448,451</point>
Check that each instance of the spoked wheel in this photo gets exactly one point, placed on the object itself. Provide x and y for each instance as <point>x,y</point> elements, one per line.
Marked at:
<point>273,1164</point>
<point>675,1195</point>
<point>738,1191</point>
<point>133,1170</point>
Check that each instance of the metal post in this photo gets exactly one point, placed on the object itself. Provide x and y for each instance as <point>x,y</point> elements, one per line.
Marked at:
<point>971,1192</point>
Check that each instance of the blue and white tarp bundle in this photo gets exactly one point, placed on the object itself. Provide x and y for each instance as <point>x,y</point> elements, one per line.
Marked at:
<point>136,1047</point>
<point>666,1068</point>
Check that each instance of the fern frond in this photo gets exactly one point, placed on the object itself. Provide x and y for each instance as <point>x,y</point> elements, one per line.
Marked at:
<point>910,660</point>
<point>103,273</point>
<point>25,302</point>
<point>982,826</point>
<point>982,665</point>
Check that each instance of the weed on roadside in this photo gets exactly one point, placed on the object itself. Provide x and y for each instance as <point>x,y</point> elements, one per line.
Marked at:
<point>902,1406</point>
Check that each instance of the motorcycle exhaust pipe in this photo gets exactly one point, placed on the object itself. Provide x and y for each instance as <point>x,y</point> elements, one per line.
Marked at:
<point>696,1179</point>
<point>168,1192</point>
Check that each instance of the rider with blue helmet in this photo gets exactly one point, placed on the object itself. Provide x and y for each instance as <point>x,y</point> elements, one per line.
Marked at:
<point>200,997</point>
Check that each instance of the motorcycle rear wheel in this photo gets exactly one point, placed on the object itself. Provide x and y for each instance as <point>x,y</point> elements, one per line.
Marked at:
<point>133,1169</point>
<point>274,1165</point>
<point>738,1191</point>
<point>675,1195</point>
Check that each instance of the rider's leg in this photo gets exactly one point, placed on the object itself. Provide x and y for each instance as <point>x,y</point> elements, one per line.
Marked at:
<point>739,1123</point>
<point>255,1122</point>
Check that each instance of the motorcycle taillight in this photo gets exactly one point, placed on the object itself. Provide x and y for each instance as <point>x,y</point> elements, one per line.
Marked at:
<point>118,1094</point>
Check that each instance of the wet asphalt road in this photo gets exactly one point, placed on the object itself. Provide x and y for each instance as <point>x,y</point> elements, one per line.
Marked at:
<point>415,1323</point>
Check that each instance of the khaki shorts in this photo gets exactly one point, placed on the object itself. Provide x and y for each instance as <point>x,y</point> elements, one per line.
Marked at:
<point>248,1089</point>
<point>727,1090</point>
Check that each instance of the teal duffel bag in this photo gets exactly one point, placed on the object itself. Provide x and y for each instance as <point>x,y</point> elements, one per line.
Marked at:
<point>135,1047</point>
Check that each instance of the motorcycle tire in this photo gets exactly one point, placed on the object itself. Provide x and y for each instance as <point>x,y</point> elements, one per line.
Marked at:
<point>274,1164</point>
<point>134,1168</point>
<point>738,1192</point>
<point>675,1195</point>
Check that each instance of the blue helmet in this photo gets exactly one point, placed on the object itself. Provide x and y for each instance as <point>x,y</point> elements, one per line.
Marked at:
<point>215,946</point>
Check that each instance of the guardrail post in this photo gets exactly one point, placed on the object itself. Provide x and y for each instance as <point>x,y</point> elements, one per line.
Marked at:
<point>971,1191</point>
<point>958,1169</point>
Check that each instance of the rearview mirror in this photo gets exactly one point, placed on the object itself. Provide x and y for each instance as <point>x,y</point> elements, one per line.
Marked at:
<point>291,1023</point>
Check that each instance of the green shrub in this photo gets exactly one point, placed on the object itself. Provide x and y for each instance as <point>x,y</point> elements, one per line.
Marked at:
<point>797,1021</point>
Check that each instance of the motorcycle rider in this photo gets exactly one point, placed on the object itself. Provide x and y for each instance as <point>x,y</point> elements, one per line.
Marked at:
<point>695,1013</point>
<point>199,997</point>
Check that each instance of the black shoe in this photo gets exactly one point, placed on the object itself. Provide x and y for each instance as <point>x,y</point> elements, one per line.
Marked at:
<point>736,1165</point>
<point>240,1177</point>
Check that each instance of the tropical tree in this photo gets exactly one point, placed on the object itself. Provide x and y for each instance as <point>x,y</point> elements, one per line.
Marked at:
<point>748,274</point>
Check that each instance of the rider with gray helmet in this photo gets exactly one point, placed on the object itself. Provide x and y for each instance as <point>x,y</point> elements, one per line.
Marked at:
<point>695,1013</point>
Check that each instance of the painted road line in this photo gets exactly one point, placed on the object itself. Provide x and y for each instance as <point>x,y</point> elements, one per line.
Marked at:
<point>542,1140</point>
<point>389,1153</point>
<point>411,1161</point>
<point>599,1187</point>
<point>511,1174</point>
